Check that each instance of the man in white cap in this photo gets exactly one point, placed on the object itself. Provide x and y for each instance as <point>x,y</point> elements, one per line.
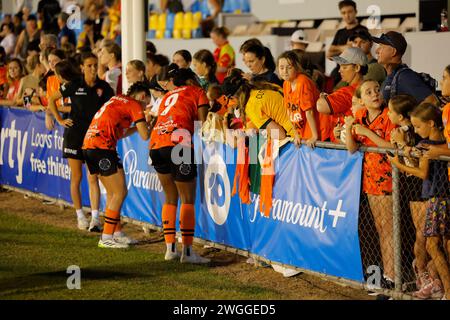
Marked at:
<point>298,40</point>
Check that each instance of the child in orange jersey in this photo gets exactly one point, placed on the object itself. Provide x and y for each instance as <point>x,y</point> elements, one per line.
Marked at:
<point>300,97</point>
<point>372,127</point>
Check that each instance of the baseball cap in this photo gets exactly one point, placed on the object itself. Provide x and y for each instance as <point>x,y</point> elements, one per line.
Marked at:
<point>299,36</point>
<point>393,39</point>
<point>352,56</point>
<point>363,34</point>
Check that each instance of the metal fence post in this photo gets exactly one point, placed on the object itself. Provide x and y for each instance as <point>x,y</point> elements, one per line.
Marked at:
<point>397,229</point>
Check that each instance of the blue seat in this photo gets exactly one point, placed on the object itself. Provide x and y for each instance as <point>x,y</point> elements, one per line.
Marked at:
<point>227,6</point>
<point>170,21</point>
<point>245,6</point>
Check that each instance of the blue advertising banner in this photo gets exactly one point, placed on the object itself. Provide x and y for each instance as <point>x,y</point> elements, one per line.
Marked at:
<point>31,156</point>
<point>314,219</point>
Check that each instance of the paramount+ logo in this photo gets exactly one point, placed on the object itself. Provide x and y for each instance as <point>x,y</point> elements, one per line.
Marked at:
<point>217,190</point>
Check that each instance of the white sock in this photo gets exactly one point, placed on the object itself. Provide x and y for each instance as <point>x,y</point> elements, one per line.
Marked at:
<point>118,234</point>
<point>187,250</point>
<point>95,214</point>
<point>106,236</point>
<point>171,247</point>
<point>80,214</point>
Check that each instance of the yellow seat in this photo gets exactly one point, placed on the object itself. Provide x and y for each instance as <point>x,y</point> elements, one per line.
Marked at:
<point>187,33</point>
<point>197,18</point>
<point>177,34</point>
<point>153,22</point>
<point>179,21</point>
<point>162,18</point>
<point>159,34</point>
<point>188,21</point>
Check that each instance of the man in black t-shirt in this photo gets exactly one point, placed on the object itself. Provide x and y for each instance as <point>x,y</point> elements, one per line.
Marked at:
<point>341,42</point>
<point>48,11</point>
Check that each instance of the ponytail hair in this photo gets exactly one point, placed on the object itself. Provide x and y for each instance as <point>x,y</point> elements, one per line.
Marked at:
<point>180,77</point>
<point>428,112</point>
<point>236,85</point>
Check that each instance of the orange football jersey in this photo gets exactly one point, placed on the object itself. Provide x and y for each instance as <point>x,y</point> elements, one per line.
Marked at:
<point>178,110</point>
<point>110,122</point>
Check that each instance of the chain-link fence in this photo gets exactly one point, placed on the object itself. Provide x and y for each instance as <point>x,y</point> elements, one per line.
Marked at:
<point>403,247</point>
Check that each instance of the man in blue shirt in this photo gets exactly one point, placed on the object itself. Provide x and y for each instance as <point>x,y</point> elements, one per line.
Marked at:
<point>66,35</point>
<point>390,52</point>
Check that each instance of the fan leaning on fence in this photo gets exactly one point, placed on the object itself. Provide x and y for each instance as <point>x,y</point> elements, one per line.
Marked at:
<point>427,121</point>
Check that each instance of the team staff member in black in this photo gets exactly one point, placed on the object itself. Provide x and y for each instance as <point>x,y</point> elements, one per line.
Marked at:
<point>87,94</point>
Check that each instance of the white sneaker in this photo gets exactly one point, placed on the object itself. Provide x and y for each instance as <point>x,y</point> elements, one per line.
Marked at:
<point>170,255</point>
<point>193,258</point>
<point>111,244</point>
<point>95,226</point>
<point>125,240</point>
<point>83,224</point>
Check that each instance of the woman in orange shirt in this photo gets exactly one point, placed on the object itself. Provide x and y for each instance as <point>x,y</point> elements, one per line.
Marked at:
<point>16,71</point>
<point>300,97</point>
<point>53,84</point>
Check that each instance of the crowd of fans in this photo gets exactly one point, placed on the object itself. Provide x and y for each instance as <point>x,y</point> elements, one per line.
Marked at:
<point>377,101</point>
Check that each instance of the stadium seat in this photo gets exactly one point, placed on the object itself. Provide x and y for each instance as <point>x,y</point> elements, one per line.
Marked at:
<point>240,30</point>
<point>390,23</point>
<point>188,21</point>
<point>159,34</point>
<point>177,34</point>
<point>324,34</point>
<point>255,29</point>
<point>153,22</point>
<point>245,6</point>
<point>227,6</point>
<point>196,19</point>
<point>288,24</point>
<point>312,34</point>
<point>178,25</point>
<point>304,24</point>
<point>170,21</point>
<point>314,47</point>
<point>329,24</point>
<point>162,22</point>
<point>268,28</point>
<point>196,28</point>
<point>410,24</point>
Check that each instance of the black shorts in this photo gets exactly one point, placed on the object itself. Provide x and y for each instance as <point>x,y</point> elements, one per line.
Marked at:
<point>410,188</point>
<point>73,141</point>
<point>102,162</point>
<point>164,164</point>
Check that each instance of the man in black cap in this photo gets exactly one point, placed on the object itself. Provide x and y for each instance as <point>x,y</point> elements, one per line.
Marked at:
<point>400,78</point>
<point>363,40</point>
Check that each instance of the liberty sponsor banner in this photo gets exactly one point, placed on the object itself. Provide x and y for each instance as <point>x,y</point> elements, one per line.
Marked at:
<point>31,155</point>
<point>314,219</point>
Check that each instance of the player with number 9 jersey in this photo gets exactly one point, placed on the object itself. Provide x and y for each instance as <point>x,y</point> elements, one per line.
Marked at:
<point>178,110</point>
